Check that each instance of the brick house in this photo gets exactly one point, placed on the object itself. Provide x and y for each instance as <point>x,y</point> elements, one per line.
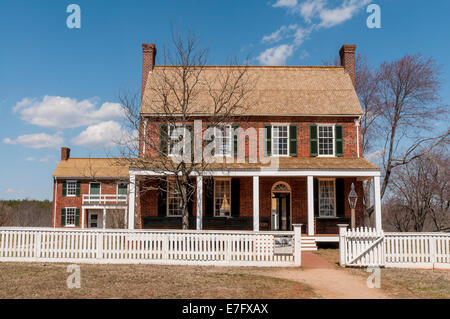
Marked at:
<point>310,119</point>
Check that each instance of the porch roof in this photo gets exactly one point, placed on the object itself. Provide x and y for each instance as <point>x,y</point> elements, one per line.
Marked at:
<point>92,168</point>
<point>284,163</point>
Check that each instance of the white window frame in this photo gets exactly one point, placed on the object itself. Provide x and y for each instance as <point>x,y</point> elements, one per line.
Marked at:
<point>95,183</point>
<point>168,196</point>
<point>215,195</point>
<point>169,133</point>
<point>230,137</point>
<point>67,188</point>
<point>334,191</point>
<point>273,139</point>
<point>333,143</point>
<point>74,216</point>
<point>117,189</point>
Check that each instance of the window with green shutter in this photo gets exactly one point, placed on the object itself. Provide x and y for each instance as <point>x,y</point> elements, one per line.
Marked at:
<point>64,189</point>
<point>235,128</point>
<point>338,138</point>
<point>313,141</point>
<point>77,217</point>
<point>267,140</point>
<point>293,140</point>
<point>163,139</point>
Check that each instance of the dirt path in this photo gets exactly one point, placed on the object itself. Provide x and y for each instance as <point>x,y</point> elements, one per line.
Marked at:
<point>327,281</point>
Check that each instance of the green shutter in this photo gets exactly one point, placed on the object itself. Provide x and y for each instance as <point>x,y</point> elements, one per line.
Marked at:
<point>190,128</point>
<point>78,189</point>
<point>293,140</point>
<point>63,217</point>
<point>235,127</point>
<point>340,197</point>
<point>268,140</point>
<point>64,189</point>
<point>338,137</point>
<point>316,197</point>
<point>163,139</point>
<point>313,142</point>
<point>77,217</point>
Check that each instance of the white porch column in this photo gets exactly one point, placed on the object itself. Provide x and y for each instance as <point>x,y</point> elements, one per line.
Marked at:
<point>199,202</point>
<point>255,203</point>
<point>310,182</point>
<point>83,219</point>
<point>377,202</point>
<point>104,218</point>
<point>131,201</point>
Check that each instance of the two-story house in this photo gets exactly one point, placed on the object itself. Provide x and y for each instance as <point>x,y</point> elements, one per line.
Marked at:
<point>310,118</point>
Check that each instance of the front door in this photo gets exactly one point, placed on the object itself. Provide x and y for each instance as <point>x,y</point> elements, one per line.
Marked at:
<point>95,219</point>
<point>281,219</point>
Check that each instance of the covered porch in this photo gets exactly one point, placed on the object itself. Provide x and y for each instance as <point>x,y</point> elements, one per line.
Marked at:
<point>273,200</point>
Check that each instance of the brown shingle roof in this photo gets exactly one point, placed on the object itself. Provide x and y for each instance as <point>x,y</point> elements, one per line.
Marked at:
<point>280,90</point>
<point>91,168</point>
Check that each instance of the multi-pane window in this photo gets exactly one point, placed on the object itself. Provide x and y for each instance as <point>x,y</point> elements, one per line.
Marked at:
<point>173,139</point>
<point>71,188</point>
<point>222,197</point>
<point>326,140</point>
<point>122,190</point>
<point>327,199</point>
<point>280,139</point>
<point>223,140</point>
<point>173,199</point>
<point>70,216</point>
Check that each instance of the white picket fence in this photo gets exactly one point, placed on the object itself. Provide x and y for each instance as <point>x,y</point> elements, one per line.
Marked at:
<point>227,248</point>
<point>363,247</point>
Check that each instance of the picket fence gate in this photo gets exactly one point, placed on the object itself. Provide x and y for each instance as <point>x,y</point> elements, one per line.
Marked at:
<point>228,248</point>
<point>365,247</point>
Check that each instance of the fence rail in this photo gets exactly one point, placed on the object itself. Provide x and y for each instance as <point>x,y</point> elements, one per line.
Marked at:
<point>233,248</point>
<point>104,199</point>
<point>368,247</point>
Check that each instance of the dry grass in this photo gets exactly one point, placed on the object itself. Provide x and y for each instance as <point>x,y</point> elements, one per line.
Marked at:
<point>402,283</point>
<point>37,280</point>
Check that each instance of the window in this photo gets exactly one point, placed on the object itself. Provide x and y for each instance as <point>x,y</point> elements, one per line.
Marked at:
<point>174,141</point>
<point>94,189</point>
<point>327,199</point>
<point>326,140</point>
<point>173,199</point>
<point>71,188</point>
<point>70,216</point>
<point>222,197</point>
<point>280,140</point>
<point>122,189</point>
<point>223,138</point>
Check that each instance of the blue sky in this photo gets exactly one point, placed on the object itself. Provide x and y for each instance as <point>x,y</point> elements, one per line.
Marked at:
<point>59,86</point>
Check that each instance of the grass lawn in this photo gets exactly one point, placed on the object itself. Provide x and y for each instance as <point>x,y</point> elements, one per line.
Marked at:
<point>39,280</point>
<point>402,283</point>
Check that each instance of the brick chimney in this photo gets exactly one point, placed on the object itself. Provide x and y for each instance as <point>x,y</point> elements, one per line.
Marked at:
<point>148,62</point>
<point>347,54</point>
<point>65,153</point>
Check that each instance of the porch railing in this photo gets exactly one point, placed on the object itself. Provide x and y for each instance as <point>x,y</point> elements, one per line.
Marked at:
<point>110,199</point>
<point>228,248</point>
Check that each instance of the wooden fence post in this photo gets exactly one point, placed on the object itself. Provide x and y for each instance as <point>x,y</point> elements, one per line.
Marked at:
<point>99,245</point>
<point>37,245</point>
<point>297,244</point>
<point>342,231</point>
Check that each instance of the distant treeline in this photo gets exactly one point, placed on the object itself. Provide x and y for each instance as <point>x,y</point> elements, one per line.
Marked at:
<point>28,213</point>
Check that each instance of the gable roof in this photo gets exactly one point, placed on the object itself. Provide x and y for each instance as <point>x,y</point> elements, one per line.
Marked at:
<point>92,168</point>
<point>277,90</point>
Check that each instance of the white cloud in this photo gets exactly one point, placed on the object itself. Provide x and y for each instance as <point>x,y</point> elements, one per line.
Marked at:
<point>316,14</point>
<point>375,155</point>
<point>276,55</point>
<point>105,134</point>
<point>14,191</point>
<point>64,112</point>
<point>285,3</point>
<point>40,140</point>
<point>41,160</point>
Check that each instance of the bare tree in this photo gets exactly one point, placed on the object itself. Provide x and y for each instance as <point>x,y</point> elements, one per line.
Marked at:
<point>419,192</point>
<point>177,93</point>
<point>400,103</point>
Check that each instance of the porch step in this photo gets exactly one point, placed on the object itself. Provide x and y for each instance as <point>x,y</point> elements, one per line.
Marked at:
<point>308,243</point>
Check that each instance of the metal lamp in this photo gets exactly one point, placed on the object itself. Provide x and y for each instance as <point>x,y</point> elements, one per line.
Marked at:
<point>352,199</point>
